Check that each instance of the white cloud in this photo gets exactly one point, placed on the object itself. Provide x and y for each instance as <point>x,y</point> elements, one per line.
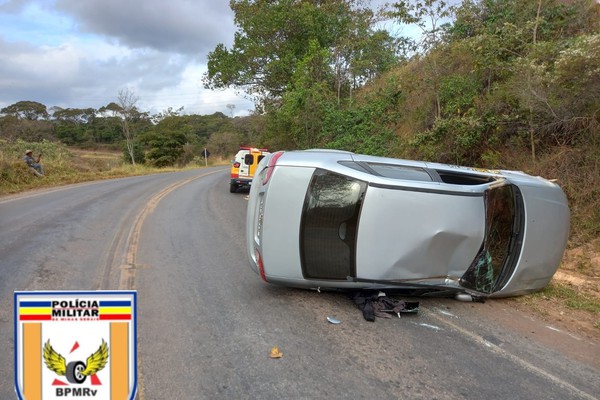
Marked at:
<point>74,53</point>
<point>183,26</point>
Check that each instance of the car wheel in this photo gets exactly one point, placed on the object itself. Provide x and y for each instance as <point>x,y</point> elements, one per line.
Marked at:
<point>233,188</point>
<point>74,370</point>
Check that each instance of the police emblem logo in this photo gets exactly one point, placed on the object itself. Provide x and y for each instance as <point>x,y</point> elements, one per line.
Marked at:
<point>75,345</point>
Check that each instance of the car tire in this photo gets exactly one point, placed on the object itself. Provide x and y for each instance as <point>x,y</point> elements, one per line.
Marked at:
<point>233,188</point>
<point>74,370</point>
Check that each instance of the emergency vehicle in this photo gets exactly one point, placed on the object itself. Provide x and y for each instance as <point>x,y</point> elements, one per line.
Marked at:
<point>243,167</point>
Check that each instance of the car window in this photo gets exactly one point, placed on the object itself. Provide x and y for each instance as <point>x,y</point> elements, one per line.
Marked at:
<point>393,171</point>
<point>329,225</point>
<point>400,172</point>
<point>248,159</point>
<point>461,178</point>
<point>355,165</point>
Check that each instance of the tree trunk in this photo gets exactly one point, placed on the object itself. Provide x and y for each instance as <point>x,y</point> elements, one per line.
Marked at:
<point>534,41</point>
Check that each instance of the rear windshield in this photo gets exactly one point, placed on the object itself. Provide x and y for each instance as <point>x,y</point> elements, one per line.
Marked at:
<point>329,225</point>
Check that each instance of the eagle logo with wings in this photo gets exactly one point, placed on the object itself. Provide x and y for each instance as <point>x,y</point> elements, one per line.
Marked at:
<point>76,371</point>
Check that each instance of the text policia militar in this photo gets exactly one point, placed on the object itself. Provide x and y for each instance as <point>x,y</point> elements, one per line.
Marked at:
<point>75,308</point>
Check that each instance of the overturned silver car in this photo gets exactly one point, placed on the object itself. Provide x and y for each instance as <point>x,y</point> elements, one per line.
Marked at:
<point>338,220</point>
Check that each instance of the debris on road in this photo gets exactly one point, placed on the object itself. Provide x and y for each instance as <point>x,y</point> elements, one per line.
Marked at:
<point>275,353</point>
<point>379,305</point>
<point>429,326</point>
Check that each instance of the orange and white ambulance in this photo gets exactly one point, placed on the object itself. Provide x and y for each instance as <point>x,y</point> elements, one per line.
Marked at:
<point>243,167</point>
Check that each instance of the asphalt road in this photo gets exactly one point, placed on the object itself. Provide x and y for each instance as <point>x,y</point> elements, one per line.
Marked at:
<point>206,322</point>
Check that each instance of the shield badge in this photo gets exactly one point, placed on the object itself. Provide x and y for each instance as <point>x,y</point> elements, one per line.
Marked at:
<point>75,344</point>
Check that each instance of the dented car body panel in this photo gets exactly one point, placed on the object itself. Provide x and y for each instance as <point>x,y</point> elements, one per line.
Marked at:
<point>339,220</point>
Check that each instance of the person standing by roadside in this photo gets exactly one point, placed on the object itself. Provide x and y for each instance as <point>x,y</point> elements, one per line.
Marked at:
<point>34,164</point>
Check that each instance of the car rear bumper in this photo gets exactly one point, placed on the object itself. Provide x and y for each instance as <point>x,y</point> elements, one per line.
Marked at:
<point>241,181</point>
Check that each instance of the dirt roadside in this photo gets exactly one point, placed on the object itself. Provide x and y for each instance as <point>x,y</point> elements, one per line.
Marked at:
<point>578,274</point>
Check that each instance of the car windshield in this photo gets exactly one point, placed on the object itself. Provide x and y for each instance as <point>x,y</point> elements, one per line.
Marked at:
<point>497,258</point>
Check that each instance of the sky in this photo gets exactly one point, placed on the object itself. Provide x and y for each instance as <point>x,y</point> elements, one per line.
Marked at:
<point>81,53</point>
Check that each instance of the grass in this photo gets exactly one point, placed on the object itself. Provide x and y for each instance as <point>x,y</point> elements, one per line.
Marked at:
<point>570,297</point>
<point>15,176</point>
<point>558,299</point>
<point>64,165</point>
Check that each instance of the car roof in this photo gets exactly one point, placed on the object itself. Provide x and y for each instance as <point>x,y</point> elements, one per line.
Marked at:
<point>323,157</point>
<point>340,161</point>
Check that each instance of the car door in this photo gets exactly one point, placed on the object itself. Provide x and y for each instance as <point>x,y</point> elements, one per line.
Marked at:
<point>247,161</point>
<point>415,232</point>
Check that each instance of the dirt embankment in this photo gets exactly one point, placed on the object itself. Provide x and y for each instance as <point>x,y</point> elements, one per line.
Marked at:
<point>574,295</point>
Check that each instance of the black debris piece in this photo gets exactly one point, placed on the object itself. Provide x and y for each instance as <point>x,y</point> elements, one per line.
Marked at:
<point>377,304</point>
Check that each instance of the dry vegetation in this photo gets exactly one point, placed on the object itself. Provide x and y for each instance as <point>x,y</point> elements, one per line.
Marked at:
<point>64,165</point>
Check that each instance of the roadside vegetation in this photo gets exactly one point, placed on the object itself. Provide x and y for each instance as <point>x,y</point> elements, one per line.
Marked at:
<point>65,165</point>
<point>496,84</point>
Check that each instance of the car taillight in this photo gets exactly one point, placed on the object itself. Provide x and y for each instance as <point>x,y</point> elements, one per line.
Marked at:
<point>261,267</point>
<point>236,164</point>
<point>271,166</point>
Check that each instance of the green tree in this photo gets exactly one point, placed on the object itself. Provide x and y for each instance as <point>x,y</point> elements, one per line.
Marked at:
<point>273,37</point>
<point>430,17</point>
<point>306,102</point>
<point>32,131</point>
<point>72,125</point>
<point>559,85</point>
<point>26,110</point>
<point>105,130</point>
<point>374,56</point>
<point>252,129</point>
<point>74,115</point>
<point>224,143</point>
<point>164,147</point>
<point>26,120</point>
<point>169,112</point>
